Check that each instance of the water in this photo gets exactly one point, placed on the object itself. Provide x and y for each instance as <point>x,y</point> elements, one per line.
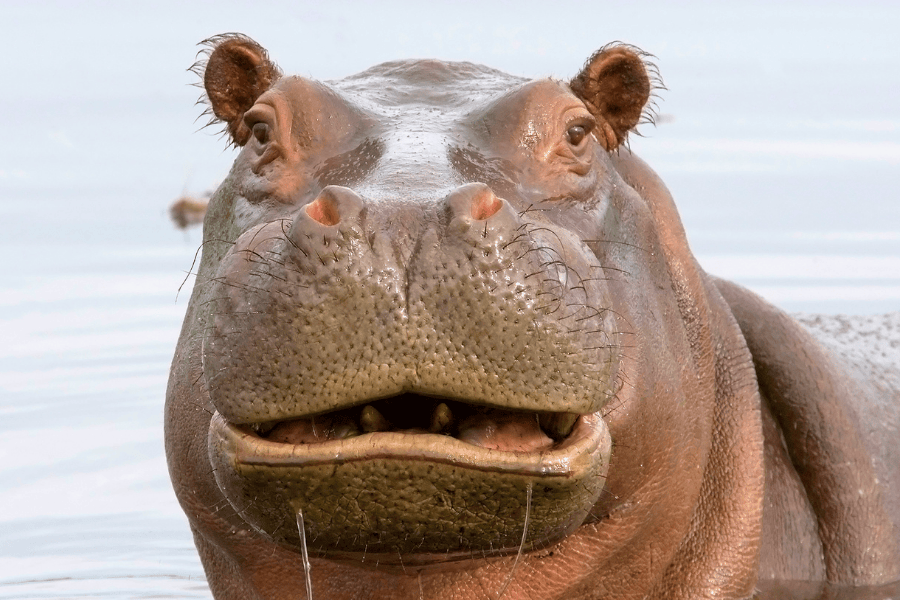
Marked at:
<point>779,137</point>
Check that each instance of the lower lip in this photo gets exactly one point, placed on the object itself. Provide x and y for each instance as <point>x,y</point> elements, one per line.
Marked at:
<point>409,494</point>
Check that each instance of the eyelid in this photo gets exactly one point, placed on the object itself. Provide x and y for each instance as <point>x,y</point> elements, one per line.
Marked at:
<point>585,120</point>
<point>260,113</point>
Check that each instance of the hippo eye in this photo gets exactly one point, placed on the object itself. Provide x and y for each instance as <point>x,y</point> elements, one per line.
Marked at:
<point>261,132</point>
<point>576,134</point>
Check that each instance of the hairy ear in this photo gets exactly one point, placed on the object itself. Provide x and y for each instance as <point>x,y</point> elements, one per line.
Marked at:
<point>615,84</point>
<point>235,73</point>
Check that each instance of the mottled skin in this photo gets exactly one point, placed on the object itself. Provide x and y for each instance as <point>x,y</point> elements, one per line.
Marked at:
<point>432,294</point>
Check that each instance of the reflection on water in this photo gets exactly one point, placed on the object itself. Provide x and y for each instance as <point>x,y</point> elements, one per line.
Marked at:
<point>87,507</point>
<point>109,586</point>
<point>803,590</point>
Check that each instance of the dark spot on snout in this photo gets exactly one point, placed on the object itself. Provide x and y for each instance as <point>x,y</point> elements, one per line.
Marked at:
<point>472,165</point>
<point>353,166</point>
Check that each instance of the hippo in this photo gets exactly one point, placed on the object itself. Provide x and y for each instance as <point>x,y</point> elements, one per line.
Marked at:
<point>448,340</point>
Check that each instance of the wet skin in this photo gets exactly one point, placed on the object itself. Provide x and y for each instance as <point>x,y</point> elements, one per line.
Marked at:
<point>444,315</point>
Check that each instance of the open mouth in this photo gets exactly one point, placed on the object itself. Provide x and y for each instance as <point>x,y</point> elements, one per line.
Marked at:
<point>482,426</point>
<point>427,479</point>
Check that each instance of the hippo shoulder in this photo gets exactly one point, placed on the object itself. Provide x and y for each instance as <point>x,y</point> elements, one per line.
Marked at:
<point>830,384</point>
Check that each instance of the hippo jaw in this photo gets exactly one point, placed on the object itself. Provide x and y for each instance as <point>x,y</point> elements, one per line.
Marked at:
<point>418,497</point>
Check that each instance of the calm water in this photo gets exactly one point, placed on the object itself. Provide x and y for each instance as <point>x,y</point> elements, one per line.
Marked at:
<point>780,139</point>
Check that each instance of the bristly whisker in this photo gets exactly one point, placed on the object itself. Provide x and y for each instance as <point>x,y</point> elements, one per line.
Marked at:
<point>301,527</point>
<point>515,564</point>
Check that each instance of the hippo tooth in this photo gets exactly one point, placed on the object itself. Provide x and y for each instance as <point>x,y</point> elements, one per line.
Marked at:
<point>263,429</point>
<point>558,425</point>
<point>441,418</point>
<point>345,430</point>
<point>372,420</point>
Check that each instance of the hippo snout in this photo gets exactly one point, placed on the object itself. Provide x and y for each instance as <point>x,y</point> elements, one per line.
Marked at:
<point>475,334</point>
<point>347,303</point>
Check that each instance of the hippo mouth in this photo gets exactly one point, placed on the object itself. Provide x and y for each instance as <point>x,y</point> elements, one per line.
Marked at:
<point>482,426</point>
<point>423,479</point>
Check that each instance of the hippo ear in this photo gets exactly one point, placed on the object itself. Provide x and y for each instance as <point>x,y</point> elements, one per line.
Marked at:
<point>235,73</point>
<point>615,84</point>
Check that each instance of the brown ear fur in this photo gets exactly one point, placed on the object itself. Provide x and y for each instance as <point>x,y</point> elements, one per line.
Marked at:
<point>616,84</point>
<point>236,73</point>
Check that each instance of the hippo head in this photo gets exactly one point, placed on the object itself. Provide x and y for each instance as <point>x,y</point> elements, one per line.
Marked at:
<point>443,317</point>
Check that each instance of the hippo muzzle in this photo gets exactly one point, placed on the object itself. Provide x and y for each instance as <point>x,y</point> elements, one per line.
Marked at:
<point>427,388</point>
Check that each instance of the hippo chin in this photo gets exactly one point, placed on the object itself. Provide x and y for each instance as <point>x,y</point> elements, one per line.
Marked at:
<point>448,341</point>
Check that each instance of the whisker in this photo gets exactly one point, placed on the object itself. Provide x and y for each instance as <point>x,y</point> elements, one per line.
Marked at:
<point>304,553</point>
<point>521,543</point>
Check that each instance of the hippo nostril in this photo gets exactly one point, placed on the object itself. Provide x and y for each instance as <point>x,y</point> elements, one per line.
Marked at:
<point>485,205</point>
<point>323,210</point>
<point>333,205</point>
<point>475,200</point>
